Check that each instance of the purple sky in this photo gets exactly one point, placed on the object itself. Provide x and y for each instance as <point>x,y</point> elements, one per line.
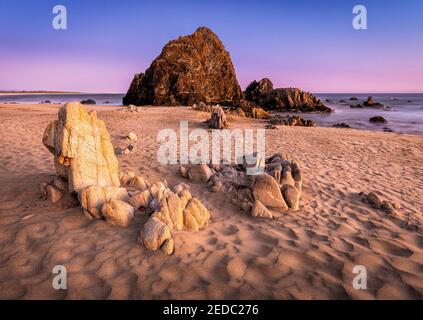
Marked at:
<point>305,44</point>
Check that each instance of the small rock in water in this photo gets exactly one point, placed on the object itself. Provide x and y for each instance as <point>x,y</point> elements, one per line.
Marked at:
<point>378,119</point>
<point>88,101</point>
<point>341,125</point>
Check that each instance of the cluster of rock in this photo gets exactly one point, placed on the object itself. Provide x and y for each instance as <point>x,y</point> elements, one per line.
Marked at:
<point>87,167</point>
<point>133,108</point>
<point>291,121</point>
<point>371,103</point>
<point>127,148</point>
<point>88,101</point>
<point>191,69</point>
<point>375,202</point>
<point>283,99</point>
<point>197,69</point>
<point>277,187</point>
<point>172,208</point>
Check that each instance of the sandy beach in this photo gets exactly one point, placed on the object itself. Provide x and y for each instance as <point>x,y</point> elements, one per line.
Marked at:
<point>308,254</point>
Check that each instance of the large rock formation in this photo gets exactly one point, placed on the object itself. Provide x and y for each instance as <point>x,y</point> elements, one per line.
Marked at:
<point>191,69</point>
<point>83,153</point>
<point>283,99</point>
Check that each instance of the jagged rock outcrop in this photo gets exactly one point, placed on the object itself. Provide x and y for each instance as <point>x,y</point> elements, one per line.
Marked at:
<point>83,153</point>
<point>283,99</point>
<point>191,69</point>
<point>258,89</point>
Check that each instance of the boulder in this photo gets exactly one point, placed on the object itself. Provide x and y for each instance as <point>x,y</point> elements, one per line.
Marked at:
<point>256,90</point>
<point>83,153</point>
<point>139,183</point>
<point>196,215</point>
<point>92,198</point>
<point>260,211</point>
<point>218,119</point>
<point>154,234</point>
<point>141,199</point>
<point>168,246</point>
<point>53,194</point>
<point>287,178</point>
<point>378,119</point>
<point>371,103</point>
<point>259,113</point>
<point>291,196</point>
<point>191,69</point>
<point>200,173</point>
<point>267,191</point>
<point>117,213</point>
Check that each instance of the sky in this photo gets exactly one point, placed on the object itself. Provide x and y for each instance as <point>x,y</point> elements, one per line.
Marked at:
<point>310,44</point>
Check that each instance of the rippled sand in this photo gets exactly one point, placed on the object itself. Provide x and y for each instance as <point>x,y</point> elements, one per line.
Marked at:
<point>307,254</point>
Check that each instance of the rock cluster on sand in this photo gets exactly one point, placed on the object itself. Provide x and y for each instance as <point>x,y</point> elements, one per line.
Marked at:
<point>172,209</point>
<point>295,121</point>
<point>283,99</point>
<point>278,188</point>
<point>375,202</point>
<point>86,166</point>
<point>191,69</point>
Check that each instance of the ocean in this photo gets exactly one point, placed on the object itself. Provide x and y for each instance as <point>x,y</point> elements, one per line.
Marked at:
<point>404,113</point>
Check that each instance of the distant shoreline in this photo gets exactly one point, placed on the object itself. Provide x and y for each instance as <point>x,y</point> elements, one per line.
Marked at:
<point>36,92</point>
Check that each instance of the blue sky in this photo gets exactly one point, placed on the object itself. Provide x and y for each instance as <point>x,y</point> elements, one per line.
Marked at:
<point>307,44</point>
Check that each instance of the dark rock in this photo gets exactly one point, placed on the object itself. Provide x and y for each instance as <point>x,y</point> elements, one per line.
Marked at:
<point>378,119</point>
<point>283,99</point>
<point>371,103</point>
<point>294,121</point>
<point>358,106</point>
<point>341,125</point>
<point>270,126</point>
<point>386,129</point>
<point>256,90</point>
<point>190,69</point>
<point>88,101</point>
<point>354,99</point>
<point>342,101</point>
<point>106,102</point>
